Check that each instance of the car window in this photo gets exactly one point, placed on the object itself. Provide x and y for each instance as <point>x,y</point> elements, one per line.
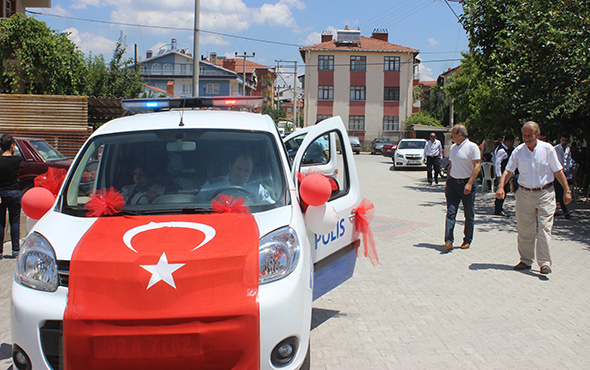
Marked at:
<point>175,171</point>
<point>382,141</point>
<point>411,144</point>
<point>46,151</point>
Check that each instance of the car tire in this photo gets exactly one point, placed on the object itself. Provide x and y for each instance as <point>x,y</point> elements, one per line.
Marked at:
<point>307,362</point>
<point>358,152</point>
<point>26,188</point>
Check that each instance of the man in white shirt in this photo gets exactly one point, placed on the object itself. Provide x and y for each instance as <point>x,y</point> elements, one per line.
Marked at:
<point>463,171</point>
<point>538,166</point>
<point>433,154</point>
<point>500,158</point>
<point>564,155</point>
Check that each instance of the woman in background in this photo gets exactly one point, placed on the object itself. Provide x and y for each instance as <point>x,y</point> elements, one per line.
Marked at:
<point>10,195</point>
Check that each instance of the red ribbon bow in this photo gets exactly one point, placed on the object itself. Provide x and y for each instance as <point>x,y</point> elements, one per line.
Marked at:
<point>364,214</point>
<point>51,180</point>
<point>105,202</point>
<point>224,203</point>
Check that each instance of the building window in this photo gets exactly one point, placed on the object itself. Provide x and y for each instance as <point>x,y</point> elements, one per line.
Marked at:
<point>187,89</point>
<point>183,69</point>
<point>326,62</point>
<point>156,69</point>
<point>390,123</point>
<point>212,89</point>
<point>322,117</point>
<point>168,69</point>
<point>326,92</point>
<point>357,93</point>
<point>358,63</point>
<point>392,64</point>
<point>356,123</point>
<point>391,93</point>
<point>142,69</point>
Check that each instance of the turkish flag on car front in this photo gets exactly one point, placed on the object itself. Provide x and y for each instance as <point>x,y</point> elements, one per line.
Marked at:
<point>154,292</point>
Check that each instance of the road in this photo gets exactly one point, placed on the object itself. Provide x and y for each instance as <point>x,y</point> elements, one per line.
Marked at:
<point>423,308</point>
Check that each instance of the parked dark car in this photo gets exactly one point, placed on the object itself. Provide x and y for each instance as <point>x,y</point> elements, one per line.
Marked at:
<point>388,150</point>
<point>377,144</point>
<point>37,155</point>
<point>355,143</point>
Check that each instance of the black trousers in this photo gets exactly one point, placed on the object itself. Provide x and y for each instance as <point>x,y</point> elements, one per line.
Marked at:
<point>559,196</point>
<point>432,162</point>
<point>499,205</point>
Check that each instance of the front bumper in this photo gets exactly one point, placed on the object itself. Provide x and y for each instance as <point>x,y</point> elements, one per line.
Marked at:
<point>285,311</point>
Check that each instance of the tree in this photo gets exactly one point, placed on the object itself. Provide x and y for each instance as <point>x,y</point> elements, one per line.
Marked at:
<point>118,79</point>
<point>528,60</point>
<point>276,114</point>
<point>422,118</point>
<point>436,105</point>
<point>36,60</point>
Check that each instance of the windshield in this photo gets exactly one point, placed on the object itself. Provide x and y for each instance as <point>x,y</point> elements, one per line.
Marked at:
<point>412,144</point>
<point>383,141</point>
<point>179,171</point>
<point>46,151</point>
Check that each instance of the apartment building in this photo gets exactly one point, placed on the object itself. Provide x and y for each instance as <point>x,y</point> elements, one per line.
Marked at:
<point>10,7</point>
<point>367,81</point>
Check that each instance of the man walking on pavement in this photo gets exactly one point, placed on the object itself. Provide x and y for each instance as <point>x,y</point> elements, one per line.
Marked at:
<point>500,159</point>
<point>463,171</point>
<point>538,166</point>
<point>433,154</point>
<point>564,155</point>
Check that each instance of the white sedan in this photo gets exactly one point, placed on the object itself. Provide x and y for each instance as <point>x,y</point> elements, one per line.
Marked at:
<point>409,153</point>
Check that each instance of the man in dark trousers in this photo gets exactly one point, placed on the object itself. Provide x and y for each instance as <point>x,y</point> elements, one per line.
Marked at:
<point>433,154</point>
<point>500,159</point>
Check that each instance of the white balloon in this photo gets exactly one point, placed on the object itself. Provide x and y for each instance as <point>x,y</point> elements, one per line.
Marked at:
<point>321,219</point>
<point>30,223</point>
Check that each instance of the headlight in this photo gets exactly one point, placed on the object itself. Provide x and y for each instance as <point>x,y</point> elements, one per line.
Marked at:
<point>278,254</point>
<point>36,266</point>
<point>399,155</point>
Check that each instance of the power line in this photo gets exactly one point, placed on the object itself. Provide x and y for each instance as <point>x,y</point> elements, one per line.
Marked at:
<point>166,28</point>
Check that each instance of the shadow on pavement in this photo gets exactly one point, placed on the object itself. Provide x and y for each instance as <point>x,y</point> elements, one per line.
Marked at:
<point>5,351</point>
<point>321,315</point>
<point>489,266</point>
<point>438,247</point>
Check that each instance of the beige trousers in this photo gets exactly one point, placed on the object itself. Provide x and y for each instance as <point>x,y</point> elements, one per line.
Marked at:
<point>534,215</point>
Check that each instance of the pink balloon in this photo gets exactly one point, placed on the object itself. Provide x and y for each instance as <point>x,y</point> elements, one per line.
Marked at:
<point>315,189</point>
<point>36,202</point>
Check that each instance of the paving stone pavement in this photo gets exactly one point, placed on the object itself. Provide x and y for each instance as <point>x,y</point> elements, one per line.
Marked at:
<point>423,308</point>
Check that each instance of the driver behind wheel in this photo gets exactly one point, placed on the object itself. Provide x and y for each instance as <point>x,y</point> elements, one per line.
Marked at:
<point>236,183</point>
<point>143,190</point>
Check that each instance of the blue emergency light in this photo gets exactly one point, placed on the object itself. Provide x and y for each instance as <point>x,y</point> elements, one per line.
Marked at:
<point>143,105</point>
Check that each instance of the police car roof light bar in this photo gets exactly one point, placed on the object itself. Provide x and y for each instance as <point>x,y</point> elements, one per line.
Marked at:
<point>143,105</point>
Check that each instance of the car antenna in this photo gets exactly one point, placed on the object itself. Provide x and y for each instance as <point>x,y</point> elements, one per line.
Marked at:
<point>182,113</point>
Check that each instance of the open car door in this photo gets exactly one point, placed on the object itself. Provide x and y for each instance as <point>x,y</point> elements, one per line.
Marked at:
<point>325,149</point>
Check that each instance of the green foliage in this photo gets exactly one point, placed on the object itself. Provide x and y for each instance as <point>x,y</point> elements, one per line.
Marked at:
<point>421,118</point>
<point>529,60</point>
<point>36,60</point>
<point>436,105</point>
<point>276,114</point>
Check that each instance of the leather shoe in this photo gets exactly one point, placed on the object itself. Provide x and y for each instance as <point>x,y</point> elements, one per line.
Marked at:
<point>502,213</point>
<point>545,269</point>
<point>522,266</point>
<point>448,246</point>
<point>465,246</point>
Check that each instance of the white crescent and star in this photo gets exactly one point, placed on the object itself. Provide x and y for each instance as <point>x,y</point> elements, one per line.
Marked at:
<point>162,271</point>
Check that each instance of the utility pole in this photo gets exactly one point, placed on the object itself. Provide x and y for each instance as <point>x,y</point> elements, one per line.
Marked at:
<point>244,74</point>
<point>294,88</point>
<point>196,55</point>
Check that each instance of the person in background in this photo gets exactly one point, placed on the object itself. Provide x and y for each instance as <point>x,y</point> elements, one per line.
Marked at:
<point>463,171</point>
<point>565,159</point>
<point>500,159</point>
<point>10,195</point>
<point>433,154</point>
<point>538,166</point>
<point>143,190</point>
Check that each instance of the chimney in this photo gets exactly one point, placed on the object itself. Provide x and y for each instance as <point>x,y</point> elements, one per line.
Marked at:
<point>326,36</point>
<point>229,64</point>
<point>149,54</point>
<point>170,87</point>
<point>213,58</point>
<point>173,47</point>
<point>380,34</point>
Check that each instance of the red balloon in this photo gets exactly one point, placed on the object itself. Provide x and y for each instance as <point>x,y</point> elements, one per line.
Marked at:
<point>315,189</point>
<point>36,202</point>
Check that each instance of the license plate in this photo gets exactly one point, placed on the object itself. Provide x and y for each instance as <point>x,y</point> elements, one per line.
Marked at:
<point>414,162</point>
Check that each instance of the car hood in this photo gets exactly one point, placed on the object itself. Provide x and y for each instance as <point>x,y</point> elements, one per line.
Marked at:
<point>62,163</point>
<point>409,151</point>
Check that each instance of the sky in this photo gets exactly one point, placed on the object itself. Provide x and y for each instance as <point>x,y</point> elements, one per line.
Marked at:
<point>271,29</point>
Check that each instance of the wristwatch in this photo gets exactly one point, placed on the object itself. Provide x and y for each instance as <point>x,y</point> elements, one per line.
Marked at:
<point>568,191</point>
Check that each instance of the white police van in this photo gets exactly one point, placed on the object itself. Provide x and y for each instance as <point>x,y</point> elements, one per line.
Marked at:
<point>178,240</point>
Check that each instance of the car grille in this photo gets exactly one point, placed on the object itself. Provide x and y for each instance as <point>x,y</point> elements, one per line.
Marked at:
<point>413,156</point>
<point>63,272</point>
<point>51,334</point>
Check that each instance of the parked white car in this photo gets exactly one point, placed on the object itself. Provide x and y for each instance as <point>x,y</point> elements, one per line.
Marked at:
<point>154,278</point>
<point>409,153</point>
